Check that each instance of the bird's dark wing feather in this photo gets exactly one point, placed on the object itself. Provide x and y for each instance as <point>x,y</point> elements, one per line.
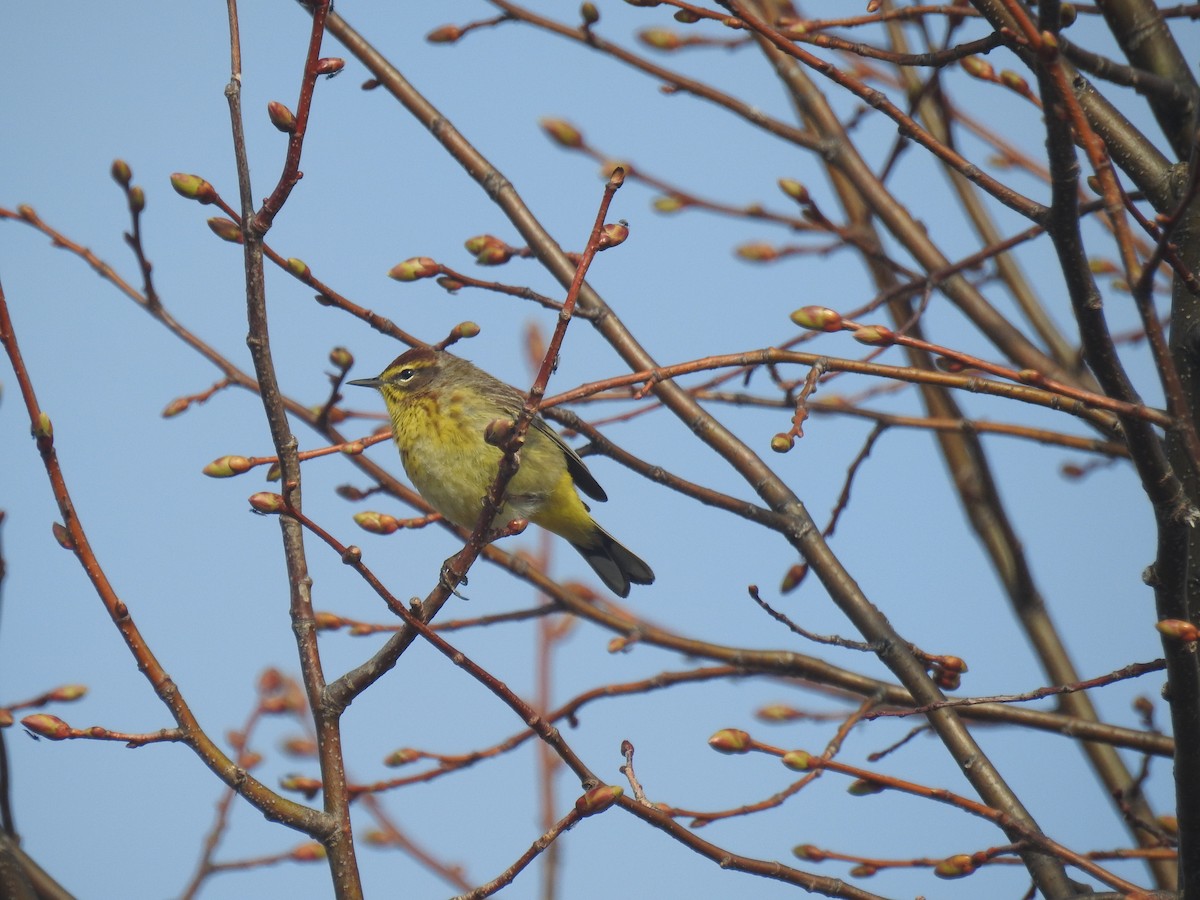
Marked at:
<point>584,480</point>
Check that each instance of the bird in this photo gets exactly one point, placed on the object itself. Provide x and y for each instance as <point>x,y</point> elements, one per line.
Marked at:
<point>441,405</point>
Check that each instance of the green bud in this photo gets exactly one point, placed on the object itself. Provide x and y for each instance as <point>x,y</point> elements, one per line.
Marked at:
<point>817,318</point>
<point>227,467</point>
<point>52,728</point>
<point>660,39</point>
<point>281,117</point>
<point>757,251</point>
<point>862,787</point>
<point>413,269</point>
<point>225,229</point>
<point>402,757</point>
<point>376,522</point>
<point>954,866</point>
<point>266,502</point>
<point>121,172</point>
<point>731,740</point>
<point>193,187</point>
<point>562,132</point>
<point>798,760</point>
<point>598,799</point>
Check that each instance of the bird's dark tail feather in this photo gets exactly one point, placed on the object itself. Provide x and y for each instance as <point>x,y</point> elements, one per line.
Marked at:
<point>617,565</point>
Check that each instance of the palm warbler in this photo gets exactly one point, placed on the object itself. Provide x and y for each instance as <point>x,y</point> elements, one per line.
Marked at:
<point>440,406</point>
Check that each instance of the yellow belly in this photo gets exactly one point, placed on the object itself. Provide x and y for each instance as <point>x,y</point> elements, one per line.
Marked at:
<point>442,447</point>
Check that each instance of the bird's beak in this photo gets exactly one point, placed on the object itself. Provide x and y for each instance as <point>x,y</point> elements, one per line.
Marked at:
<point>367,382</point>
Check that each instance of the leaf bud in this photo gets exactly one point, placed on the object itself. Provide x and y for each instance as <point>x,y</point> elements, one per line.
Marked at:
<point>782,442</point>
<point>954,866</point>
<point>494,255</point>
<point>1013,81</point>
<point>137,199</point>
<point>589,14</point>
<point>498,431</point>
<point>731,740</point>
<point>1178,630</point>
<point>952,663</point>
<point>609,166</point>
<point>402,757</point>
<point>947,681</point>
<point>43,428</point>
<point>309,787</point>
<point>793,577</point>
<point>62,536</point>
<point>281,117</point>
<point>809,852</point>
<point>121,173</point>
<point>452,285</point>
<point>668,204</point>
<point>757,251</point>
<point>948,364</point>
<point>465,331</point>
<point>299,746</point>
<point>777,712</point>
<point>266,502</point>
<point>446,34</point>
<point>376,522</point>
<point>298,267</point>
<point>327,621</point>
<point>874,335</point>
<point>598,799</point>
<point>67,693</point>
<point>176,406</point>
<point>271,680</point>
<point>45,725</point>
<point>613,234</point>
<point>686,17</point>
<point>225,229</point>
<point>227,467</point>
<point>798,760</point>
<point>414,269</point>
<point>818,318</point>
<point>352,555</point>
<point>862,787</point>
<point>310,852</point>
<point>330,65</point>
<point>341,358</point>
<point>978,68</point>
<point>562,133</point>
<point>193,187</point>
<point>660,39</point>
<point>795,190</point>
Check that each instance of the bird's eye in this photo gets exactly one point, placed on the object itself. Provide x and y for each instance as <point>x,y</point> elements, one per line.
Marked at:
<point>406,375</point>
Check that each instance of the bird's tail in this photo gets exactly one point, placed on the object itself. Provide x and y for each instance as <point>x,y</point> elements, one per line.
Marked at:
<point>616,564</point>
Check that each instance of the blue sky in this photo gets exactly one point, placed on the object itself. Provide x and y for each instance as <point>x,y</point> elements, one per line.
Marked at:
<point>204,579</point>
